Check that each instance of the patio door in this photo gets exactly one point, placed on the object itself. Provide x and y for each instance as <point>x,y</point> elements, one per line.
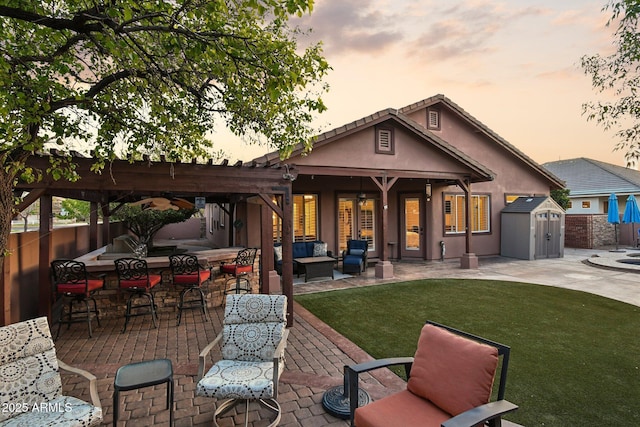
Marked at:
<point>357,220</point>
<point>412,226</point>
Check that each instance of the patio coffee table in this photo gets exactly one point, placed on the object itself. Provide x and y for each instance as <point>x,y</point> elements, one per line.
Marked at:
<point>316,266</point>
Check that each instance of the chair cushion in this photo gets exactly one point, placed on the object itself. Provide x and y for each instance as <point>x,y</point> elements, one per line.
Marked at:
<point>193,278</point>
<point>277,253</point>
<point>300,250</point>
<point>79,288</point>
<point>453,372</point>
<point>400,409</point>
<point>352,260</point>
<point>231,269</point>
<point>65,411</point>
<point>319,249</point>
<point>154,279</point>
<point>237,379</point>
<point>255,308</point>
<point>356,252</point>
<point>253,342</point>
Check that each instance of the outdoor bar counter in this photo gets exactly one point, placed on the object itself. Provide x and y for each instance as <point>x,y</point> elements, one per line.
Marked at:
<point>111,302</point>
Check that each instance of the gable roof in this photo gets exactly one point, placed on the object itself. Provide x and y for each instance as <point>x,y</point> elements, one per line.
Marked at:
<point>441,99</point>
<point>525,204</point>
<point>401,117</point>
<point>480,172</point>
<point>588,177</point>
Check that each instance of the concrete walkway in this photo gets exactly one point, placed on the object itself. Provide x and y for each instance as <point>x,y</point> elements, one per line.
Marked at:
<point>315,354</point>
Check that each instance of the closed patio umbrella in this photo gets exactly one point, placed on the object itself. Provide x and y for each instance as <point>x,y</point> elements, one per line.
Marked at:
<point>631,213</point>
<point>613,217</point>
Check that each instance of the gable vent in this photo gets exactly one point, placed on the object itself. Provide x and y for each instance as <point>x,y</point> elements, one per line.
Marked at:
<point>433,119</point>
<point>384,141</point>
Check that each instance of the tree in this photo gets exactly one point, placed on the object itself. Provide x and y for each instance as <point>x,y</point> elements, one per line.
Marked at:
<point>126,78</point>
<point>618,73</point>
<point>79,210</point>
<point>145,223</point>
<point>561,197</point>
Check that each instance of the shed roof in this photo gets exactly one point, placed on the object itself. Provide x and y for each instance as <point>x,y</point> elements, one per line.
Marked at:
<point>524,204</point>
<point>588,177</point>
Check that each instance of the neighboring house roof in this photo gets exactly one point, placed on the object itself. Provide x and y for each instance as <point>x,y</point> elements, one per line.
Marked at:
<point>588,177</point>
<point>486,131</point>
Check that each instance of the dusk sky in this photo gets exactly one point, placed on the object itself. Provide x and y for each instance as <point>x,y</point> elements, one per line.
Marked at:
<point>514,65</point>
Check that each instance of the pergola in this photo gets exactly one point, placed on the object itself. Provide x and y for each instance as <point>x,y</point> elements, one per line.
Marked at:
<point>124,181</point>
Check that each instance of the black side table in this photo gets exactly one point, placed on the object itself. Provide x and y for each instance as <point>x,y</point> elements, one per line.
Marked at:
<point>144,374</point>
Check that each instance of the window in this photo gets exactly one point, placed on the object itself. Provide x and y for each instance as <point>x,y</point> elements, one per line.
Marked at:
<point>570,205</point>
<point>586,204</point>
<point>454,213</point>
<point>510,198</point>
<point>433,119</point>
<point>305,219</point>
<point>384,140</point>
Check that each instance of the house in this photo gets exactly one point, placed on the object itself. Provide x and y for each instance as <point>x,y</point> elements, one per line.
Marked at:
<point>404,179</point>
<point>590,183</point>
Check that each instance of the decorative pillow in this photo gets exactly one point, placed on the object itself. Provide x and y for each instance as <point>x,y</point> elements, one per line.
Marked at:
<point>453,372</point>
<point>356,252</point>
<point>319,249</point>
<point>277,252</point>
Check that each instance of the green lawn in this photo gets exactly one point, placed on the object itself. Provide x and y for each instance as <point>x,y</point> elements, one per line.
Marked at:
<point>575,357</point>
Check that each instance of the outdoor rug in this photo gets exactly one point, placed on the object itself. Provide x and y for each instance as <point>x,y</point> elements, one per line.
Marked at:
<point>337,275</point>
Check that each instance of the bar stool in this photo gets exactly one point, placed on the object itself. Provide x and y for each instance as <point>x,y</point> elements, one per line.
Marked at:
<point>134,277</point>
<point>186,271</point>
<point>71,280</point>
<point>143,374</point>
<point>239,270</point>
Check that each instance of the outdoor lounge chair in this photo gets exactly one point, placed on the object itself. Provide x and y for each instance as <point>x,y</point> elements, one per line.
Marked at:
<point>252,341</point>
<point>31,391</point>
<point>354,258</point>
<point>450,380</point>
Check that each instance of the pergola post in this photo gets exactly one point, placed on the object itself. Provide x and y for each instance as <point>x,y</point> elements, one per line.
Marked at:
<point>44,255</point>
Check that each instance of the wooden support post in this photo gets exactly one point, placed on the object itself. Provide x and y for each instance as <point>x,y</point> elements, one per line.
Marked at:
<point>44,256</point>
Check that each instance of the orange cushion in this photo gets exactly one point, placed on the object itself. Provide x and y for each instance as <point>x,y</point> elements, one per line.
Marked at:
<point>79,288</point>
<point>188,279</point>
<point>231,269</point>
<point>400,409</point>
<point>154,279</point>
<point>453,372</point>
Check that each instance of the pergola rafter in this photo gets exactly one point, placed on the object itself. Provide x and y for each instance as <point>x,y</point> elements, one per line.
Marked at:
<point>124,181</point>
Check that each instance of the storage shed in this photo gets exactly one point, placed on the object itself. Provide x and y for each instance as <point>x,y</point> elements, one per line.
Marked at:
<point>532,228</point>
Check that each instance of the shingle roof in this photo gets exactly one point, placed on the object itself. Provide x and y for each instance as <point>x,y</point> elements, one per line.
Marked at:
<point>401,116</point>
<point>588,177</point>
<point>524,204</point>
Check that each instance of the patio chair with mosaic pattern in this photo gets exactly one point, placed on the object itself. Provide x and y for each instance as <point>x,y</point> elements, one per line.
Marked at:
<point>450,381</point>
<point>31,391</point>
<point>252,342</point>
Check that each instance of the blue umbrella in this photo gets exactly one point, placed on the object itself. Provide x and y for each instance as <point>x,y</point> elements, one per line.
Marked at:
<point>613,216</point>
<point>631,213</point>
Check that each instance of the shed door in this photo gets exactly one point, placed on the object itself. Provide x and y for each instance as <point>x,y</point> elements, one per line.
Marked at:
<point>548,227</point>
